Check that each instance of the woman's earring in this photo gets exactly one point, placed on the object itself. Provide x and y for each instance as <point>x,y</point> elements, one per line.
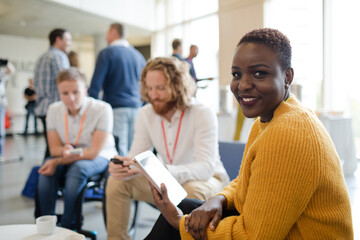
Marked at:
<point>287,85</point>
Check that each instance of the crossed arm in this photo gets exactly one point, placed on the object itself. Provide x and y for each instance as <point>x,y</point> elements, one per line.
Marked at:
<point>61,153</point>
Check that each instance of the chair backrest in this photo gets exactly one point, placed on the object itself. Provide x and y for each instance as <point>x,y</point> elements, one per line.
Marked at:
<point>231,154</point>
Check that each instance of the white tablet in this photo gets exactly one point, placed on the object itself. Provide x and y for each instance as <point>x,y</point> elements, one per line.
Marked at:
<point>156,173</point>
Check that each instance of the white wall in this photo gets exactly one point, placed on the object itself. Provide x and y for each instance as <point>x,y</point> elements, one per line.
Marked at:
<point>86,50</point>
<point>23,52</point>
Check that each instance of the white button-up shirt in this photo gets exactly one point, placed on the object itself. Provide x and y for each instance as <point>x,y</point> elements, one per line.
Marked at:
<point>196,155</point>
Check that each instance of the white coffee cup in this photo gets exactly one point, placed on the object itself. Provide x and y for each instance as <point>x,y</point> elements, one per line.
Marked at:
<point>46,224</point>
<point>75,237</point>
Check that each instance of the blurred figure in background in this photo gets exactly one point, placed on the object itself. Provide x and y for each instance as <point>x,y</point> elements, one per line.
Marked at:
<point>6,70</point>
<point>117,72</point>
<point>77,122</point>
<point>74,59</point>
<point>30,96</point>
<point>47,69</point>
<point>194,50</point>
<point>177,49</point>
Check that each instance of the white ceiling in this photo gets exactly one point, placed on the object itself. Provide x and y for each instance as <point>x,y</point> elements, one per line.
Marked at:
<point>36,18</point>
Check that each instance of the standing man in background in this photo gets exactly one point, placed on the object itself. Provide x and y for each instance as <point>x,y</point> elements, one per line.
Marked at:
<point>47,69</point>
<point>177,49</point>
<point>117,72</point>
<point>193,53</point>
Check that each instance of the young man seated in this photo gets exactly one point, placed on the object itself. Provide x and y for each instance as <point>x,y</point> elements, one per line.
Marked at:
<point>76,122</point>
<point>183,132</point>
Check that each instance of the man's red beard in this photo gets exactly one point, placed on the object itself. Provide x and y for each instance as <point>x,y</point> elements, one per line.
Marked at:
<point>164,107</point>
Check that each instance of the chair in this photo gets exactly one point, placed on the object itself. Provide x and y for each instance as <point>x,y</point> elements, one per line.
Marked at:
<point>93,191</point>
<point>231,154</point>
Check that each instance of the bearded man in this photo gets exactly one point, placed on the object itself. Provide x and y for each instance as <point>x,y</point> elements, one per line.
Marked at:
<point>185,135</point>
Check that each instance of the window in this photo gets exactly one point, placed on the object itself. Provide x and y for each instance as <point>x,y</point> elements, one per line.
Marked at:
<point>343,49</point>
<point>324,37</point>
<point>195,22</point>
<point>301,21</point>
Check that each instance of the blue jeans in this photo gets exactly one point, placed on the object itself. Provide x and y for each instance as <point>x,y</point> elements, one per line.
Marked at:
<point>124,121</point>
<point>75,175</point>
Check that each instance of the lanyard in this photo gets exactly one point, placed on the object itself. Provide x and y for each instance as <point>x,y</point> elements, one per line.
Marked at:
<point>80,130</point>
<point>177,137</point>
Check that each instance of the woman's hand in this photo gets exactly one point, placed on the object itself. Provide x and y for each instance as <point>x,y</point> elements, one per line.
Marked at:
<point>171,213</point>
<point>49,167</point>
<point>122,171</point>
<point>207,215</point>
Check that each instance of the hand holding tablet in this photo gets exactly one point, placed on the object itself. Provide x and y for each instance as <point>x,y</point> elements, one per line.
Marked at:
<point>156,173</point>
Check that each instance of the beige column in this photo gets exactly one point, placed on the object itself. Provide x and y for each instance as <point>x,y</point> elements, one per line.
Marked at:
<point>236,17</point>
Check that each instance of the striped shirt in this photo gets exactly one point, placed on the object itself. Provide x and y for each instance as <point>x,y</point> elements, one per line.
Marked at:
<point>46,71</point>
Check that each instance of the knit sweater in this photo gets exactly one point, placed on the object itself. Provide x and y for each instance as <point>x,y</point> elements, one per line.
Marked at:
<point>290,184</point>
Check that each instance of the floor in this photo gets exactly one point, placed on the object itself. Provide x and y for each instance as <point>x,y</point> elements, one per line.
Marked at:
<point>22,153</point>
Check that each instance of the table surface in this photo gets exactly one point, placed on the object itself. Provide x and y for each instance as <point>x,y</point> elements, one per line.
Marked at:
<point>29,232</point>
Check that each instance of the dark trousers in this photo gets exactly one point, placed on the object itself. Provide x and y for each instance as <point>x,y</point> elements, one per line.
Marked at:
<point>163,230</point>
<point>30,111</point>
<point>47,151</point>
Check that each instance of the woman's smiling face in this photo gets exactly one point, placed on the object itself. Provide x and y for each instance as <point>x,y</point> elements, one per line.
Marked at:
<point>259,83</point>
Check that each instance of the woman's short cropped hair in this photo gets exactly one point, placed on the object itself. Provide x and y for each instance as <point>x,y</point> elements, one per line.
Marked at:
<point>274,40</point>
<point>71,74</point>
<point>181,85</point>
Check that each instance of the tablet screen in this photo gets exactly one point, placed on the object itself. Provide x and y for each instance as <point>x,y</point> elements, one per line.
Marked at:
<point>156,173</point>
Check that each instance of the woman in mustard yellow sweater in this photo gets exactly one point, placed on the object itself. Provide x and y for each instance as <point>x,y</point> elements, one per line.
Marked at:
<point>290,184</point>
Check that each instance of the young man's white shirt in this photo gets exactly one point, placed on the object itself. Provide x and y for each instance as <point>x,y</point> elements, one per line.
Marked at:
<point>196,155</point>
<point>99,116</point>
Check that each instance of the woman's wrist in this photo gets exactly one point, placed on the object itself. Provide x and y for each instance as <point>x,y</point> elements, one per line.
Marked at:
<point>222,200</point>
<point>175,222</point>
